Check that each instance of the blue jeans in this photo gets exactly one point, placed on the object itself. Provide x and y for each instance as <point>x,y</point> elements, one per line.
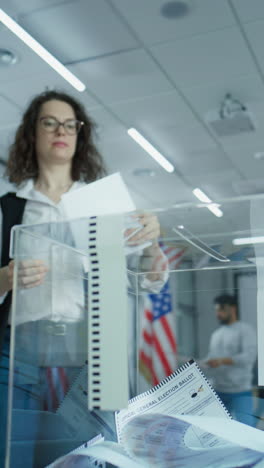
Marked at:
<point>4,371</point>
<point>240,406</point>
<point>38,436</point>
<point>23,399</point>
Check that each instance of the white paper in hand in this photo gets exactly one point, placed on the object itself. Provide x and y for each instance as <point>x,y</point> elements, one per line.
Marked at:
<point>105,196</point>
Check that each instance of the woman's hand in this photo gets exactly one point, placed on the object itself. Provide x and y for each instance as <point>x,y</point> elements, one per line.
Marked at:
<point>31,273</point>
<point>150,231</point>
<point>153,261</point>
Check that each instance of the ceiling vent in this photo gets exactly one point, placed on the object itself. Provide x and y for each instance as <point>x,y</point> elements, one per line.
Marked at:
<point>231,119</point>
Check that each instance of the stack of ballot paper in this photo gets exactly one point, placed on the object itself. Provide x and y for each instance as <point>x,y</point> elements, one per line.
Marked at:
<point>179,423</point>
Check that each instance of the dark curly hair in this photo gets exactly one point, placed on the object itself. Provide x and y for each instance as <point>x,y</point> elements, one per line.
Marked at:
<point>22,163</point>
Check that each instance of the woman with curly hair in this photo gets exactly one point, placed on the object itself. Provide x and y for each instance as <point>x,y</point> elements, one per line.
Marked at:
<point>53,153</point>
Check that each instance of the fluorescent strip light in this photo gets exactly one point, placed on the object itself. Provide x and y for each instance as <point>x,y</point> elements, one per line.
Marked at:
<point>248,240</point>
<point>149,148</point>
<point>198,193</point>
<point>215,210</point>
<point>213,207</point>
<point>41,51</point>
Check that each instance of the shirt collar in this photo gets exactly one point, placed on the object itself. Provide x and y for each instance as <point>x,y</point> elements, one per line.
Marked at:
<point>27,190</point>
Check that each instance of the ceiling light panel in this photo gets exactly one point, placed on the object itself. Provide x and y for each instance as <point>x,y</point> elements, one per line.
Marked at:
<point>248,240</point>
<point>124,76</point>
<point>43,53</point>
<point>194,67</point>
<point>151,150</point>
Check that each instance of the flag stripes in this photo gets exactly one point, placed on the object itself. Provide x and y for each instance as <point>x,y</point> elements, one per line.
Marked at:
<point>158,347</point>
<point>57,385</point>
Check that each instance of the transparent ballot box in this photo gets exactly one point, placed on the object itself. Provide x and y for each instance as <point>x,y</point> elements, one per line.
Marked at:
<point>68,333</point>
<point>112,318</point>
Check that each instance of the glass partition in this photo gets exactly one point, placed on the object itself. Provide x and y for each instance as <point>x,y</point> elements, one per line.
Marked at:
<point>75,362</point>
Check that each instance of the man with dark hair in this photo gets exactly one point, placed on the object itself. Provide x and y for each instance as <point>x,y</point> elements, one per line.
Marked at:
<point>231,358</point>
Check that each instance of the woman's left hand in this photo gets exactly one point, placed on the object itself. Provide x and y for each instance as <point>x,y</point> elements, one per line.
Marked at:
<point>150,231</point>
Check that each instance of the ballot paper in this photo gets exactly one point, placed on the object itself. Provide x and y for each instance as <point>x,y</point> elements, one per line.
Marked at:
<point>75,457</point>
<point>79,422</point>
<point>157,440</point>
<point>108,195</point>
<point>164,441</point>
<point>179,423</point>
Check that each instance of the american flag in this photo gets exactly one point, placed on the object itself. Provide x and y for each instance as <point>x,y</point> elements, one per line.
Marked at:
<point>173,254</point>
<point>57,385</point>
<point>158,347</point>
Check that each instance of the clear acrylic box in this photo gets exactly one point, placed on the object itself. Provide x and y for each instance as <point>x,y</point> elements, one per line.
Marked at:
<point>55,325</point>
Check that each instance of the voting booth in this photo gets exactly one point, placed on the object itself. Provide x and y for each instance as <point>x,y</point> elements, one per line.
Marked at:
<point>112,318</point>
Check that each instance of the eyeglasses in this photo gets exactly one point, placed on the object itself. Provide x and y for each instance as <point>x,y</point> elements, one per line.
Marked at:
<point>51,125</point>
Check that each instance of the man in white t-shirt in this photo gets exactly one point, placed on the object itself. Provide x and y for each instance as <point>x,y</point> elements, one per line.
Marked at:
<point>231,358</point>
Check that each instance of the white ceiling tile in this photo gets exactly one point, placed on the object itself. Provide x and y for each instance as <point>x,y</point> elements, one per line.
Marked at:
<point>254,33</point>
<point>175,141</point>
<point>158,110</point>
<point>206,58</point>
<point>243,157</point>
<point>124,76</point>
<point>9,114</point>
<point>249,10</point>
<point>16,7</point>
<point>7,134</point>
<point>123,154</point>
<point>108,127</point>
<point>91,29</point>
<point>250,186</point>
<point>37,83</point>
<point>27,64</point>
<point>126,156</point>
<point>204,162</point>
<point>210,96</point>
<point>251,140</point>
<point>147,21</point>
<point>217,185</point>
<point>162,190</point>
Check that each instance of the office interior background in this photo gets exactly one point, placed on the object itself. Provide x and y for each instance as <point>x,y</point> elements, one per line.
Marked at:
<point>189,76</point>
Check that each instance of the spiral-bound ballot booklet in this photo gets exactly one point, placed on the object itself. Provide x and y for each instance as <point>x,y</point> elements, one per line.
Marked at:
<point>179,423</point>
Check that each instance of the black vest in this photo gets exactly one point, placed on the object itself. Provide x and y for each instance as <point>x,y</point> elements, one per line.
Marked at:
<point>13,210</point>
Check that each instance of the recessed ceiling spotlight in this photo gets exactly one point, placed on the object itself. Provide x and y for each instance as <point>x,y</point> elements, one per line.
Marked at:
<point>174,10</point>
<point>7,57</point>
